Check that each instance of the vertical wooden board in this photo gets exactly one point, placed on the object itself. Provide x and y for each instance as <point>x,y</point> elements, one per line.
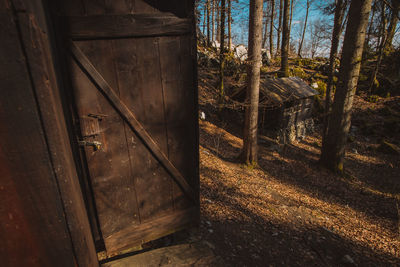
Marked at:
<point>188,59</point>
<point>141,90</point>
<point>188,69</point>
<point>109,167</point>
<point>33,228</point>
<point>38,50</point>
<point>179,108</point>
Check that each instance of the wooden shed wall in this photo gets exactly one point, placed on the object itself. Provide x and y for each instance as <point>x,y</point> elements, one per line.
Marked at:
<point>42,214</point>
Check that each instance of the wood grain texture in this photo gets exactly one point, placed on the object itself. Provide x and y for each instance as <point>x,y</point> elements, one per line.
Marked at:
<point>179,95</point>
<point>38,51</point>
<point>131,119</point>
<point>33,227</point>
<point>144,97</point>
<point>126,53</point>
<point>110,170</point>
<point>128,25</point>
<point>153,229</point>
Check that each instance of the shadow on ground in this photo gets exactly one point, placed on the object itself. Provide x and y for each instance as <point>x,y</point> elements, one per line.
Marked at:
<point>250,239</point>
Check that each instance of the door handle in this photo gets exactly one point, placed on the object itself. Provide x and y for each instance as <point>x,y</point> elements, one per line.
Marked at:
<point>95,144</point>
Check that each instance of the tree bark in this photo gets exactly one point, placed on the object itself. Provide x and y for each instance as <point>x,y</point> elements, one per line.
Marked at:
<point>222,52</point>
<point>229,24</point>
<point>265,37</point>
<point>218,21</point>
<point>304,29</point>
<point>371,22</point>
<point>383,33</point>
<point>249,152</point>
<point>213,21</point>
<point>333,149</point>
<point>284,71</point>
<point>271,29</point>
<point>278,38</point>
<point>204,19</point>
<point>208,22</point>
<point>337,31</point>
<point>290,21</point>
<point>392,25</point>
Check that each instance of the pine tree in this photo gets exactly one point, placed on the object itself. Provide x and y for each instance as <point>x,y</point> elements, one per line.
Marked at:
<point>333,149</point>
<point>337,31</point>
<point>249,152</point>
<point>284,71</point>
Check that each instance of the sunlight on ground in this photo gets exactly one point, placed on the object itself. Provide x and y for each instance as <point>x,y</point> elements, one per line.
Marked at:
<point>231,192</point>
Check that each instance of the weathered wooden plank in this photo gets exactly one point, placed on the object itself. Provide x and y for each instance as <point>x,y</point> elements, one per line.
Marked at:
<point>107,90</point>
<point>33,227</point>
<point>129,25</point>
<point>37,47</point>
<point>135,59</point>
<point>109,167</point>
<point>152,229</point>
<point>175,98</point>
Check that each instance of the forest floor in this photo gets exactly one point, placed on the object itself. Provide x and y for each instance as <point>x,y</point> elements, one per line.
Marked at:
<point>288,210</point>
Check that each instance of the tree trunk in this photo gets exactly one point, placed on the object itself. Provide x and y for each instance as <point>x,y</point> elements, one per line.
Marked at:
<point>284,71</point>
<point>213,21</point>
<point>333,150</point>
<point>265,37</point>
<point>371,22</point>
<point>278,38</point>
<point>229,25</point>
<point>204,19</point>
<point>337,31</point>
<point>271,29</point>
<point>218,22</point>
<point>249,152</point>
<point>304,29</point>
<point>392,25</point>
<point>291,16</point>
<point>208,22</point>
<point>383,34</point>
<point>222,52</point>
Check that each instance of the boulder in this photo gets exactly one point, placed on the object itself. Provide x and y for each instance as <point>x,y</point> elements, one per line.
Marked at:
<point>266,57</point>
<point>215,44</point>
<point>241,52</point>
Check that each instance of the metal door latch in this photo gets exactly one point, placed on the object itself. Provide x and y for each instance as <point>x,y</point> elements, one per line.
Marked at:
<point>99,117</point>
<point>95,144</point>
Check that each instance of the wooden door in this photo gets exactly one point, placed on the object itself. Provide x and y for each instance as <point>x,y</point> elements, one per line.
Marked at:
<point>131,67</point>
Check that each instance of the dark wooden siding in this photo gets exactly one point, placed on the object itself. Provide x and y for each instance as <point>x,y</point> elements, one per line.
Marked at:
<point>43,218</point>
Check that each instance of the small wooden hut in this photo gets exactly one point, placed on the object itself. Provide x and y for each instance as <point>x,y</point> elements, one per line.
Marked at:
<point>285,107</point>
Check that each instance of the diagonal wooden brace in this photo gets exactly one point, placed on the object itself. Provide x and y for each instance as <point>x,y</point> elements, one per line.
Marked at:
<point>131,120</point>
